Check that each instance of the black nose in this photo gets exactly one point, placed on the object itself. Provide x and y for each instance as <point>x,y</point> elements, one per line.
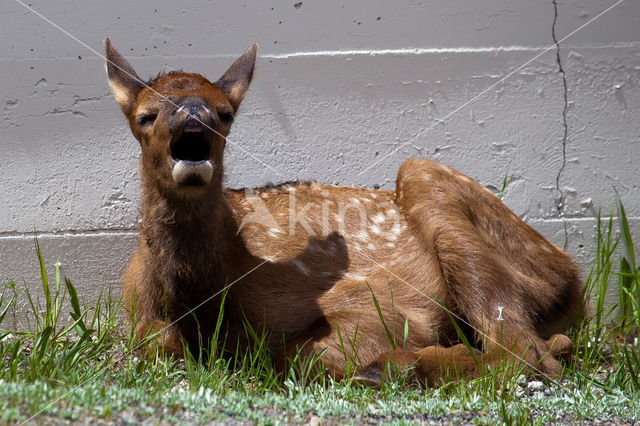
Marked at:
<point>192,109</point>
<point>194,112</point>
<point>191,115</point>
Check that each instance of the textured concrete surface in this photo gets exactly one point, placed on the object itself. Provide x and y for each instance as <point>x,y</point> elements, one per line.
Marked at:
<point>343,93</point>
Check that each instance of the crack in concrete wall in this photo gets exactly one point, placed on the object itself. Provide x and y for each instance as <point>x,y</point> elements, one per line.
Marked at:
<point>565,131</point>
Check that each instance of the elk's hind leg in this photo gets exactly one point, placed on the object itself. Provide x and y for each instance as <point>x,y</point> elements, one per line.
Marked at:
<point>507,282</point>
<point>340,341</point>
<point>436,365</point>
<point>429,366</point>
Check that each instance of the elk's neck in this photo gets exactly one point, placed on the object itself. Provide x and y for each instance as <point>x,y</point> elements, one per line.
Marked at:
<point>190,238</point>
<point>196,252</point>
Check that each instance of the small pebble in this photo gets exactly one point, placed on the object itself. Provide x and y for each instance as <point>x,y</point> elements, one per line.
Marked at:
<point>535,385</point>
<point>314,421</point>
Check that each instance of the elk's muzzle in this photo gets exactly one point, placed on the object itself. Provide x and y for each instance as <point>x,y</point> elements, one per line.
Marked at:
<point>192,127</point>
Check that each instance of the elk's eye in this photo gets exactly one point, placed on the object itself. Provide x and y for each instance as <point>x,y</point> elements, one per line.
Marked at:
<point>146,119</point>
<point>225,117</point>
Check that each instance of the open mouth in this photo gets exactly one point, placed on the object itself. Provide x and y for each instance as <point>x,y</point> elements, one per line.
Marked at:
<point>190,152</point>
<point>191,145</point>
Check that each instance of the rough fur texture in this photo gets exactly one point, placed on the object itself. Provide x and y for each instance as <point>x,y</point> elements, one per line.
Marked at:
<point>440,239</point>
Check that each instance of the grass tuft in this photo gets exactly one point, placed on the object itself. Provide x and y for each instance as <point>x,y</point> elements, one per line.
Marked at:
<point>78,362</point>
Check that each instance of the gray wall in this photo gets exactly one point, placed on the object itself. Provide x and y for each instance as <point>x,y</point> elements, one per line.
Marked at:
<point>343,93</point>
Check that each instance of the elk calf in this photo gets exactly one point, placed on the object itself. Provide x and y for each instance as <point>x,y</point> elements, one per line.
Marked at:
<point>306,261</point>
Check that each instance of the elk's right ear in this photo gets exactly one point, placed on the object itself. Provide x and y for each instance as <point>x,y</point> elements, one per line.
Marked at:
<point>125,83</point>
<point>235,81</point>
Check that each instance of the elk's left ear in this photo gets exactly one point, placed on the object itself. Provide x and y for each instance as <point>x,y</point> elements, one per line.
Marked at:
<point>125,83</point>
<point>237,78</point>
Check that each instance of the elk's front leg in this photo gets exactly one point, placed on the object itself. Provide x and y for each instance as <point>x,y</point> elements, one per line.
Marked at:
<point>158,336</point>
<point>141,299</point>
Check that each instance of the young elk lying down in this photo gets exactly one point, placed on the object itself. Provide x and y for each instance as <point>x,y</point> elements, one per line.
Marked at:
<point>307,261</point>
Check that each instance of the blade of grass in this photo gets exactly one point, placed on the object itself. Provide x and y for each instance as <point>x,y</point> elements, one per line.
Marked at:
<point>505,183</point>
<point>77,314</point>
<point>47,320</point>
<point>632,362</point>
<point>406,333</point>
<point>4,312</point>
<point>392,341</point>
<point>626,233</point>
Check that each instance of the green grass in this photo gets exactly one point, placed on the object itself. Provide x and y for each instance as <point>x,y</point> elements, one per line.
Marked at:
<point>80,363</point>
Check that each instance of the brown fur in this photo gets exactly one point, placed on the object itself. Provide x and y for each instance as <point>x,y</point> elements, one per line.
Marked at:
<point>440,239</point>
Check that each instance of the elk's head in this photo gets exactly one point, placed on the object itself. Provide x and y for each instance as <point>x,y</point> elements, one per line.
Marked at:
<point>180,119</point>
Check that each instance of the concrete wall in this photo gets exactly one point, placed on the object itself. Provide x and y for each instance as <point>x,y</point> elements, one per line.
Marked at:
<point>343,93</point>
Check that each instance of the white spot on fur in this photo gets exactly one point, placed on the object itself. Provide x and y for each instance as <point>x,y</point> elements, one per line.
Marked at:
<point>355,200</point>
<point>300,266</point>
<point>332,249</point>
<point>378,219</point>
<point>371,246</point>
<point>351,276</point>
<point>273,232</point>
<point>315,248</point>
<point>390,245</point>
<point>396,229</point>
<point>375,229</point>
<point>363,236</point>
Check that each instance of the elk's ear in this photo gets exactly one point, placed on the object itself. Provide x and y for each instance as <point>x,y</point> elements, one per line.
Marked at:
<point>236,79</point>
<point>125,83</point>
